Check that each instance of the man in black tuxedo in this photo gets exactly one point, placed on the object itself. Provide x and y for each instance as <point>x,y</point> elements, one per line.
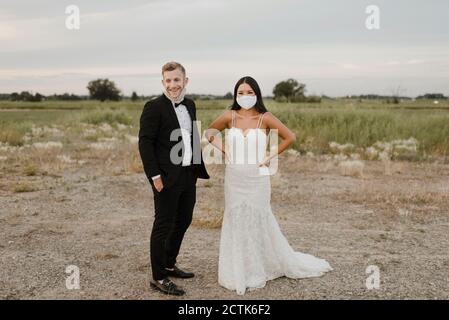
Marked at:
<point>170,149</point>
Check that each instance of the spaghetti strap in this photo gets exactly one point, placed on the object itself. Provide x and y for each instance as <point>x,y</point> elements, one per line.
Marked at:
<point>260,120</point>
<point>233,118</point>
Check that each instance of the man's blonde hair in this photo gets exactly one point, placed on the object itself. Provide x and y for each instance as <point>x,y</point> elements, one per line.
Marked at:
<point>172,65</point>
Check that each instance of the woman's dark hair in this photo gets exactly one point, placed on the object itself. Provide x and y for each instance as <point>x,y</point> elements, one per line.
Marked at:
<point>260,107</point>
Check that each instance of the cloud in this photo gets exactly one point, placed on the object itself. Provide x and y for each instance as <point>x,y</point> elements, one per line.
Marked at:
<point>7,32</point>
<point>219,41</point>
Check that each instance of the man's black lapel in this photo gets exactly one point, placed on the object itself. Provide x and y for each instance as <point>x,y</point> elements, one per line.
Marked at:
<point>190,110</point>
<point>171,112</point>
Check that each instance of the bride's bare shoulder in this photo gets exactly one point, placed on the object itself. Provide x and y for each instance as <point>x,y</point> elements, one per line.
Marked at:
<point>223,121</point>
<point>227,114</point>
<point>268,117</point>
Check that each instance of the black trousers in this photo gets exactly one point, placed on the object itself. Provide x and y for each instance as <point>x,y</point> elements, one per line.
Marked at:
<point>173,215</point>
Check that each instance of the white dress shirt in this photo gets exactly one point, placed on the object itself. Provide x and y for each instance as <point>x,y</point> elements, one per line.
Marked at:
<point>185,123</point>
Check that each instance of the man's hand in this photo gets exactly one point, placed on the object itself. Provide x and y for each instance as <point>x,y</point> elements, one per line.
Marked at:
<point>158,184</point>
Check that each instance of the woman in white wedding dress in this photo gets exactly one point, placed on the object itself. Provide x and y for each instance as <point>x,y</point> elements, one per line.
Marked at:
<point>253,249</point>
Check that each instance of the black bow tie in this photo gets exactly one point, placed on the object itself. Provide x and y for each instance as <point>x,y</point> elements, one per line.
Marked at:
<point>177,104</point>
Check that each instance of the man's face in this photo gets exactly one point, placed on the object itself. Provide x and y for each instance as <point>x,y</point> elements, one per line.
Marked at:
<point>174,82</point>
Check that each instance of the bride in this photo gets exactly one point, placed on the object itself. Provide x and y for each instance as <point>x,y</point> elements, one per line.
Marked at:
<point>253,249</point>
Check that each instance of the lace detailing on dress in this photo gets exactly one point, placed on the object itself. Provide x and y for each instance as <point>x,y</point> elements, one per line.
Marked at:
<point>253,249</point>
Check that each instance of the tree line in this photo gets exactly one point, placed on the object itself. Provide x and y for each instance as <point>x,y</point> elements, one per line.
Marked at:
<point>289,90</point>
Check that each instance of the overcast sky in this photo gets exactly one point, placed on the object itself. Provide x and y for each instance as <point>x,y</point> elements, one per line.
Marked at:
<point>323,43</point>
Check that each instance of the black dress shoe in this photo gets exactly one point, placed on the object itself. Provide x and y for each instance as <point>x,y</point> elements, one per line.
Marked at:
<point>167,287</point>
<point>178,273</point>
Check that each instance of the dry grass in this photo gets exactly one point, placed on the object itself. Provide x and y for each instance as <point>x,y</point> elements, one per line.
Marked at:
<point>212,221</point>
<point>106,256</point>
<point>352,168</point>
<point>24,187</point>
<point>56,149</point>
<point>132,161</point>
<point>415,201</point>
<point>12,136</point>
<point>31,170</point>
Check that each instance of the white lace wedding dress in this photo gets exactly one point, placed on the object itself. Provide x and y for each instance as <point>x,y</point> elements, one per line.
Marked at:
<point>253,249</point>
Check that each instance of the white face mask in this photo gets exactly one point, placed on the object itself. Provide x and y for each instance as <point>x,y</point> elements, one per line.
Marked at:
<point>247,102</point>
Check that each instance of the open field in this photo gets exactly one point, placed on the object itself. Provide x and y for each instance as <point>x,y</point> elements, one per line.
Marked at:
<point>367,183</point>
<point>316,125</point>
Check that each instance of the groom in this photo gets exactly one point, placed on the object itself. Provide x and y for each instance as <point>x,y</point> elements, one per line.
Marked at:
<point>170,149</point>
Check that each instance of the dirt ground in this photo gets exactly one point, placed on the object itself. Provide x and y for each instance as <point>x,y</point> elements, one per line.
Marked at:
<point>101,223</point>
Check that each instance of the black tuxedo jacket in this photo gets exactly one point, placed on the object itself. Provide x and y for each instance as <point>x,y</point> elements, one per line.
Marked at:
<point>157,122</point>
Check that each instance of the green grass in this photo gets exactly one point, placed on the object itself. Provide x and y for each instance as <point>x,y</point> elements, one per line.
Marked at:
<point>110,117</point>
<point>315,124</point>
<point>69,105</point>
<point>364,127</point>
